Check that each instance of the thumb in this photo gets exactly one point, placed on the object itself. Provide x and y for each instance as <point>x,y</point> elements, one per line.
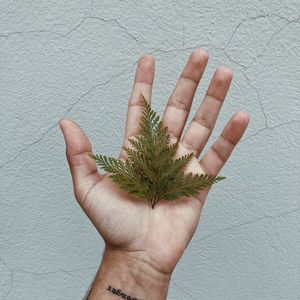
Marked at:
<point>83,168</point>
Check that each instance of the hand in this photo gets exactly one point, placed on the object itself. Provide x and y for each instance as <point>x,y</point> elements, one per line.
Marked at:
<point>156,237</point>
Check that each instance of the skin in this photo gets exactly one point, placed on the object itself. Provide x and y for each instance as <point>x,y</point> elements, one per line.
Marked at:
<point>142,242</point>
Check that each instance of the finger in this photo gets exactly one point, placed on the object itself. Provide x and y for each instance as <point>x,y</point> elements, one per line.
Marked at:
<point>215,158</point>
<point>179,103</point>
<point>83,168</point>
<point>143,82</point>
<point>205,118</point>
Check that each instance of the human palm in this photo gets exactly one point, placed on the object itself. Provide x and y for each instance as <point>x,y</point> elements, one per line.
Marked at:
<point>158,236</point>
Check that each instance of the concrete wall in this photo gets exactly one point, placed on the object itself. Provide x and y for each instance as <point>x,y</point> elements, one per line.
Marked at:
<point>77,59</point>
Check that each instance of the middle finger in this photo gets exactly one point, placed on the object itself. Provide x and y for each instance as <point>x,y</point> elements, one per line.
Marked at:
<point>179,104</point>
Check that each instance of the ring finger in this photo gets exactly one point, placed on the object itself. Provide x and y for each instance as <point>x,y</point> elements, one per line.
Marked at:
<point>205,118</point>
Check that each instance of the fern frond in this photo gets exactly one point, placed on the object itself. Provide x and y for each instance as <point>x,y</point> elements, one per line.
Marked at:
<point>108,164</point>
<point>150,170</point>
<point>190,184</point>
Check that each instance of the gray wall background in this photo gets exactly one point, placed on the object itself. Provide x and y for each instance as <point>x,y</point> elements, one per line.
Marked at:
<point>77,59</point>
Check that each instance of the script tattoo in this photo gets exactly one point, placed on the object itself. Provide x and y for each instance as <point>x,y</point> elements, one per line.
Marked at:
<point>120,293</point>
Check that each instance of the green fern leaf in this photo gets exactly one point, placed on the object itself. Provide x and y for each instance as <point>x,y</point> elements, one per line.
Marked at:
<point>150,170</point>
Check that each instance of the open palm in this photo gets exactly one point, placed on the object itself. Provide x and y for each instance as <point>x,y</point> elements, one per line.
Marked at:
<point>157,236</point>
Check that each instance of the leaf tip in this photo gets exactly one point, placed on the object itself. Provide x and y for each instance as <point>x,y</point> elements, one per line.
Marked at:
<point>91,154</point>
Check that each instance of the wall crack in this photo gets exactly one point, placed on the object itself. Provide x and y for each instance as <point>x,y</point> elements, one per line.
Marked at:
<point>64,35</point>
<point>288,22</point>
<point>247,223</point>
<point>24,149</point>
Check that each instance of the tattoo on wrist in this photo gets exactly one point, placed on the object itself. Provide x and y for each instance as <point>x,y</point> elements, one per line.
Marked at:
<point>120,293</point>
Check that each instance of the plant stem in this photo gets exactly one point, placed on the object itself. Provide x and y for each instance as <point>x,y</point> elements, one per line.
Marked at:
<point>156,199</point>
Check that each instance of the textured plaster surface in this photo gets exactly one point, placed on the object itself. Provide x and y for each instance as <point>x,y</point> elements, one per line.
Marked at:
<point>77,59</point>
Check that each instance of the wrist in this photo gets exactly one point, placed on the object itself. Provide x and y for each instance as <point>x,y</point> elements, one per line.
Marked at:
<point>128,275</point>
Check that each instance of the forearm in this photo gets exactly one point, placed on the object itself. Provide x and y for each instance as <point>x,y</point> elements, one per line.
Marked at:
<point>128,276</point>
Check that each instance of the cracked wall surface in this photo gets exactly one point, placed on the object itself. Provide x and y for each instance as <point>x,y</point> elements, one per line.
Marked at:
<point>77,59</point>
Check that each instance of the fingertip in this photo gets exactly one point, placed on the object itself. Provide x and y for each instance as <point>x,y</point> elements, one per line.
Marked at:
<point>242,118</point>
<point>147,61</point>
<point>147,58</point>
<point>75,138</point>
<point>236,127</point>
<point>199,56</point>
<point>245,116</point>
<point>223,72</point>
<point>145,70</point>
<point>64,122</point>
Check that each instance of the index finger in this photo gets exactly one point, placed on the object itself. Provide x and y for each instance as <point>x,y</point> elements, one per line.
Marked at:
<point>143,82</point>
